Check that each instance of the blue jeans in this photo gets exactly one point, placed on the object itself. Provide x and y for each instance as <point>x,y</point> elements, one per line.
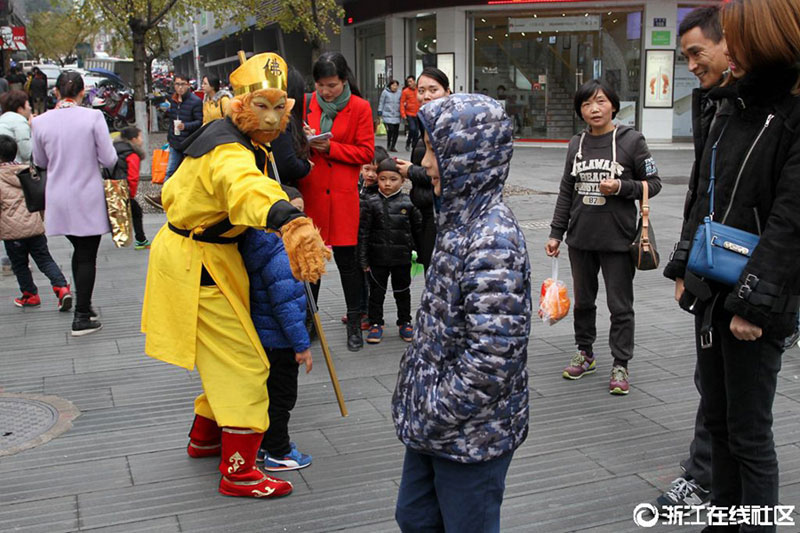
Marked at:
<point>439,495</point>
<point>413,131</point>
<point>174,161</point>
<point>18,251</point>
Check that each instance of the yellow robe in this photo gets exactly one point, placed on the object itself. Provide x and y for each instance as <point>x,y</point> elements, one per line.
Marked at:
<point>203,191</point>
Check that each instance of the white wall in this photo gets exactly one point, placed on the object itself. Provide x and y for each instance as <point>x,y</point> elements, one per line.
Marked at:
<point>656,124</point>
<point>451,37</point>
<point>395,46</point>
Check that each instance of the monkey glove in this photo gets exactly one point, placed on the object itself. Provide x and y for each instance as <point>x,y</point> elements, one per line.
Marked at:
<point>306,249</point>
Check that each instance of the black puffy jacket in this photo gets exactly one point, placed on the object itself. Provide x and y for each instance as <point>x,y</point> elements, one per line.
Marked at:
<point>388,231</point>
<point>760,146</point>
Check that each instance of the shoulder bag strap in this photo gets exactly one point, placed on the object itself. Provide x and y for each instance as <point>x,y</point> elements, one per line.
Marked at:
<point>645,208</point>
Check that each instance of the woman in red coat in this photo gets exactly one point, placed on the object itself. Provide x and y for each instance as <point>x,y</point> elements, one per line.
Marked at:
<point>330,191</point>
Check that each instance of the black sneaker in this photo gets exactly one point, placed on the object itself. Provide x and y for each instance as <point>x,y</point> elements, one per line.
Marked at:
<point>685,492</point>
<point>82,325</point>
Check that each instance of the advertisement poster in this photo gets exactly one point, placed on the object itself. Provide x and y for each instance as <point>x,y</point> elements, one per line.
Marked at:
<point>13,38</point>
<point>685,83</point>
<point>659,77</point>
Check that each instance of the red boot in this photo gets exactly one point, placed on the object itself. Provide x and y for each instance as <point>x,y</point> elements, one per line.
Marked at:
<point>240,477</point>
<point>204,438</point>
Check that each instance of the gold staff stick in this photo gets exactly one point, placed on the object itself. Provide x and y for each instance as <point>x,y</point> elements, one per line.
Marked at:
<point>313,305</point>
<point>318,326</point>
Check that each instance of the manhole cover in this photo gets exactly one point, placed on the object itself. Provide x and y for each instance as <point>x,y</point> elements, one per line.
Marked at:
<point>22,420</point>
<point>27,421</point>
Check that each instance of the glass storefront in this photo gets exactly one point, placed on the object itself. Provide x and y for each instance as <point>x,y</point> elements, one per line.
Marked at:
<point>422,39</point>
<point>534,61</point>
<point>371,62</point>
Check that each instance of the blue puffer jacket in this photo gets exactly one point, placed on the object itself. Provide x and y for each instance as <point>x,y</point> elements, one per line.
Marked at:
<point>389,106</point>
<point>462,391</point>
<point>190,112</point>
<point>277,299</point>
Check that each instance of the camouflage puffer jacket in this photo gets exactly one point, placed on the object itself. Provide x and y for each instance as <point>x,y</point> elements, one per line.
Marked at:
<point>462,391</point>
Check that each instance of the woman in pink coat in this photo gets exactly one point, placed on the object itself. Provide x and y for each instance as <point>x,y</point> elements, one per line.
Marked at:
<point>72,143</point>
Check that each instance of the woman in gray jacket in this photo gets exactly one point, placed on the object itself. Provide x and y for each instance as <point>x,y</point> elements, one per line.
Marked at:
<point>15,122</point>
<point>389,112</point>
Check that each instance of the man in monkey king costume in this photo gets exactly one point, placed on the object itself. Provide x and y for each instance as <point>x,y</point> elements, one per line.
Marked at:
<point>196,305</point>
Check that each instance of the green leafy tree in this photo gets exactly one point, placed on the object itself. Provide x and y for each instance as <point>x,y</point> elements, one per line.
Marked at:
<point>140,20</point>
<point>55,34</point>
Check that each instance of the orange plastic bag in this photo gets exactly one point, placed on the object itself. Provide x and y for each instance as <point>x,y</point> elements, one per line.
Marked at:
<point>158,171</point>
<point>553,298</point>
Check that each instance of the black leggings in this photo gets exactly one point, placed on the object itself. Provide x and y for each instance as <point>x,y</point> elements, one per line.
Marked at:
<point>84,266</point>
<point>138,226</point>
<point>392,132</point>
<point>352,277</point>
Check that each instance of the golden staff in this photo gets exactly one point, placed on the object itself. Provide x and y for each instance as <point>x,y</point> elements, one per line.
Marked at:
<point>313,305</point>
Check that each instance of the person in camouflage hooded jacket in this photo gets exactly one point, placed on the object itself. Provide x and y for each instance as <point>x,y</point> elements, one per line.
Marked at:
<point>461,398</point>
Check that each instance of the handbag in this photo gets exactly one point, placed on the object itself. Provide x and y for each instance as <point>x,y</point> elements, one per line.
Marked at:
<point>720,252</point>
<point>33,180</point>
<point>118,205</point>
<point>380,130</point>
<point>158,169</point>
<point>643,248</point>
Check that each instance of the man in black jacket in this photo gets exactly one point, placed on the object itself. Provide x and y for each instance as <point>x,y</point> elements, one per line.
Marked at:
<point>703,45</point>
<point>186,117</point>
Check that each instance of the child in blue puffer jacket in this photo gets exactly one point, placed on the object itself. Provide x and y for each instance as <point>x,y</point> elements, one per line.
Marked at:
<point>278,309</point>
<point>461,401</point>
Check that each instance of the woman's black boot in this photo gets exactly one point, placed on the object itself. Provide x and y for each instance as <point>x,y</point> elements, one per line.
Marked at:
<point>354,339</point>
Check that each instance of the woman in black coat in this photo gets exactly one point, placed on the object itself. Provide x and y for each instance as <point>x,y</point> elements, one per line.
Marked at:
<point>754,149</point>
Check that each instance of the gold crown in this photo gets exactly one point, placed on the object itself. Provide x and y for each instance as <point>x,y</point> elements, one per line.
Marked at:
<point>261,71</point>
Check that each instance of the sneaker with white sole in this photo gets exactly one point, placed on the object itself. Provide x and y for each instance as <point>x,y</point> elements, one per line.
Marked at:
<point>685,492</point>
<point>294,460</point>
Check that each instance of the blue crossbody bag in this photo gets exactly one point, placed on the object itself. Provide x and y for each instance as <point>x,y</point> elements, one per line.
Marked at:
<point>721,252</point>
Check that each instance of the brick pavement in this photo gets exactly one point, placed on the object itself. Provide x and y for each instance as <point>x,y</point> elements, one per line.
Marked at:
<point>589,458</point>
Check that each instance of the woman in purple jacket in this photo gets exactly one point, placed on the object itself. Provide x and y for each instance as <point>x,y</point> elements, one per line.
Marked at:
<point>72,142</point>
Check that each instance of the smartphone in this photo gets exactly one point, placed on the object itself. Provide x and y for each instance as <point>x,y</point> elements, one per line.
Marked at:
<point>320,137</point>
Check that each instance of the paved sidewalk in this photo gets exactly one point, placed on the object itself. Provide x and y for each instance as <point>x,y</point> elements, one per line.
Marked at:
<point>589,458</point>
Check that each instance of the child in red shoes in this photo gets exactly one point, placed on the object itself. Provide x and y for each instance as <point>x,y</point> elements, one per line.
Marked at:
<point>22,233</point>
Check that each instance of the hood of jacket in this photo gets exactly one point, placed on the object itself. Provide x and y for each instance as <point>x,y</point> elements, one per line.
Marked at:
<point>471,136</point>
<point>16,222</point>
<point>219,95</point>
<point>125,147</point>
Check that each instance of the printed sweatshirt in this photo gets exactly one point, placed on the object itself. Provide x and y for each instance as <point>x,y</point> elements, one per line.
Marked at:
<point>592,221</point>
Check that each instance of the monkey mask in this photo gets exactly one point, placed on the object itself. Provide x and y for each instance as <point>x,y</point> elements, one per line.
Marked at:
<point>260,107</point>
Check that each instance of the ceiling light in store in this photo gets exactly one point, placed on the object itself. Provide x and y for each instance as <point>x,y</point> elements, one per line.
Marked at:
<point>484,20</point>
<point>540,32</point>
<point>490,37</point>
<point>535,16</point>
<point>434,40</point>
<point>586,14</point>
<point>476,39</point>
<point>523,34</point>
<point>563,14</point>
<point>614,21</point>
<point>506,35</point>
<point>609,13</point>
<point>420,15</point>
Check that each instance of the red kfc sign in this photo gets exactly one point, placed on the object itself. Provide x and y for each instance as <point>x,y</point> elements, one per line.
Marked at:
<point>13,38</point>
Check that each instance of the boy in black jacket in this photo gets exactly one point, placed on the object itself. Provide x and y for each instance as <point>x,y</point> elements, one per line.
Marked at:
<point>389,229</point>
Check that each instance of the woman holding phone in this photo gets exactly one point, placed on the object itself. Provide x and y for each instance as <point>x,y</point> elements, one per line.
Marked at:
<point>330,190</point>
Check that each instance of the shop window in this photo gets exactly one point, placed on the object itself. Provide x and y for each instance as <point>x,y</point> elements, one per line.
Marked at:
<point>535,60</point>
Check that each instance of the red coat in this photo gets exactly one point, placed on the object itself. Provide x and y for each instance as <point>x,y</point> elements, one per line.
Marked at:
<point>330,191</point>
